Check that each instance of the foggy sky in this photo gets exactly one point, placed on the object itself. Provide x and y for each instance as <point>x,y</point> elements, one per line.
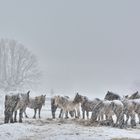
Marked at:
<point>86,46</point>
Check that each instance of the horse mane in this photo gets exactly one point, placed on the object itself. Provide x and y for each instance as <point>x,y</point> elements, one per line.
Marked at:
<point>97,99</point>
<point>112,96</point>
<point>61,100</point>
<point>110,92</point>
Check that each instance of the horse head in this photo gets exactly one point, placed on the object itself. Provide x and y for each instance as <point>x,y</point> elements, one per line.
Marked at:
<point>43,98</point>
<point>78,98</point>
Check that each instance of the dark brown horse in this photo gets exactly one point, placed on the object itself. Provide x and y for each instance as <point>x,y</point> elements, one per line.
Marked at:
<point>112,96</point>
<point>86,104</point>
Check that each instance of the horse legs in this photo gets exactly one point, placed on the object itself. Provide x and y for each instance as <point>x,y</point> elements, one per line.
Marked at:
<point>87,114</point>
<point>6,119</point>
<point>118,116</point>
<point>7,116</point>
<point>71,113</point>
<point>15,116</point>
<point>53,109</point>
<point>78,113</point>
<point>139,117</point>
<point>100,117</point>
<point>63,111</point>
<point>109,120</point>
<point>121,120</point>
<point>117,119</point>
<point>133,122</point>
<point>39,110</point>
<point>75,113</point>
<point>25,114</point>
<point>34,113</point>
<point>127,118</point>
<point>60,114</point>
<point>66,115</point>
<point>83,111</point>
<point>11,117</point>
<point>107,116</point>
<point>20,115</point>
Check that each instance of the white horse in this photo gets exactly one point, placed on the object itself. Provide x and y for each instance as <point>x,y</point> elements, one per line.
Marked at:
<point>132,107</point>
<point>67,105</point>
<point>103,108</point>
<point>129,111</point>
<point>136,103</point>
<point>108,109</point>
<point>118,109</point>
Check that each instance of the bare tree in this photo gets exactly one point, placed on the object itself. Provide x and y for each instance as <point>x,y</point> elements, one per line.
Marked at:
<point>18,66</point>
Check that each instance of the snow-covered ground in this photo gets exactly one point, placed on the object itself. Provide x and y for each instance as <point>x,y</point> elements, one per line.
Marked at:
<point>56,129</point>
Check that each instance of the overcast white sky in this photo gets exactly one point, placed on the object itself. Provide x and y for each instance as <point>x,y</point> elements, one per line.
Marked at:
<point>86,46</point>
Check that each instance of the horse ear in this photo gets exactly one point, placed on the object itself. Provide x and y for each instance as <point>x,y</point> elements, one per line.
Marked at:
<point>77,93</point>
<point>28,92</point>
<point>44,95</point>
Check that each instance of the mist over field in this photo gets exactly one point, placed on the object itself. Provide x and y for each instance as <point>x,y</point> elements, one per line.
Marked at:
<point>64,47</point>
<point>90,47</point>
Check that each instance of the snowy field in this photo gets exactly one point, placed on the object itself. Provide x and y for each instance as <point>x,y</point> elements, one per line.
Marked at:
<point>57,129</point>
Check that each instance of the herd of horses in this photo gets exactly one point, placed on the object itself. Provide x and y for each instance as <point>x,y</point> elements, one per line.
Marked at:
<point>123,108</point>
<point>21,101</point>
